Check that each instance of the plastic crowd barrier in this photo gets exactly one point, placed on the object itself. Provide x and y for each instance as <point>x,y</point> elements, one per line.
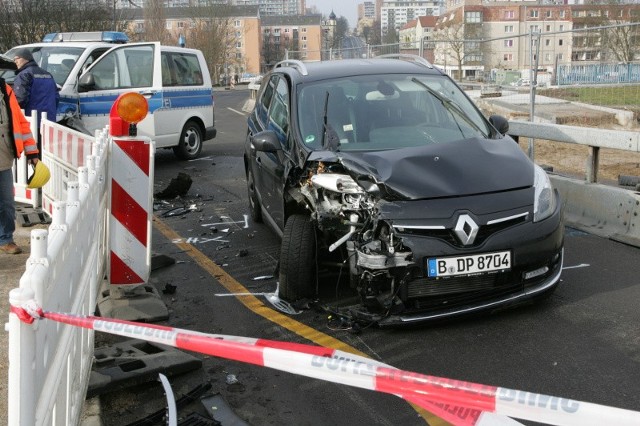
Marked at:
<point>338,367</point>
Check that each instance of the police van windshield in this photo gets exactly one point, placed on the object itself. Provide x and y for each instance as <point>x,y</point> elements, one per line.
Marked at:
<point>58,60</point>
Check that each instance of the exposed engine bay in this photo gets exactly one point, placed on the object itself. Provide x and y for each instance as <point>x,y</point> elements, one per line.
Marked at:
<point>349,221</point>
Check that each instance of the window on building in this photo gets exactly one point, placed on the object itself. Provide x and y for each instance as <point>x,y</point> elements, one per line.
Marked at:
<point>304,46</point>
<point>534,13</point>
<point>286,30</point>
<point>237,23</point>
<point>534,28</point>
<point>507,57</point>
<point>561,27</point>
<point>548,27</point>
<point>192,24</point>
<point>304,29</point>
<point>560,56</point>
<point>562,14</point>
<point>238,55</point>
<point>304,38</point>
<point>180,24</point>
<point>239,45</point>
<point>508,43</point>
<point>547,42</point>
<point>509,14</point>
<point>168,25</point>
<point>472,17</point>
<point>547,57</point>
<point>548,14</point>
<point>508,28</point>
<point>560,42</point>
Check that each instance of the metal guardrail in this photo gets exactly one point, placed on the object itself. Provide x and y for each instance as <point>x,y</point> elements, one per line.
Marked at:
<point>592,137</point>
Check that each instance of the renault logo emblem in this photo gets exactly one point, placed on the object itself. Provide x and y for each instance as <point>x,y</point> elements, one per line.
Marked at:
<point>466,229</point>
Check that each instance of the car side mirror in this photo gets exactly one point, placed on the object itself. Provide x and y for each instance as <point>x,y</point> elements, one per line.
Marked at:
<point>86,83</point>
<point>500,123</point>
<point>266,141</point>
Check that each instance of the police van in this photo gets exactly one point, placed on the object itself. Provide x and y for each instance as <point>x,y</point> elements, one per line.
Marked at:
<point>93,69</point>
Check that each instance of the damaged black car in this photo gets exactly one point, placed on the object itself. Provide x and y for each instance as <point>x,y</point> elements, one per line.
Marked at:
<point>385,169</point>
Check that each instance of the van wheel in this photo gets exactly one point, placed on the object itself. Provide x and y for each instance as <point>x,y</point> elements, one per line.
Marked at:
<point>254,204</point>
<point>298,259</point>
<point>190,143</point>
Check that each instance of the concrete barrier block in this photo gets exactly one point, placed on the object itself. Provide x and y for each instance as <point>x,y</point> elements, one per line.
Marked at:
<point>600,209</point>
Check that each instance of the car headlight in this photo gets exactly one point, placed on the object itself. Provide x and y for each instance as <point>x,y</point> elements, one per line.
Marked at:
<point>544,203</point>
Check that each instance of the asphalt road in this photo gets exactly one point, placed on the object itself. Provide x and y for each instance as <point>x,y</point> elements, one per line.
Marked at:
<point>583,343</point>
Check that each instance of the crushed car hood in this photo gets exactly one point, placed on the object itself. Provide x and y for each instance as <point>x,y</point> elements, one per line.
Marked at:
<point>466,167</point>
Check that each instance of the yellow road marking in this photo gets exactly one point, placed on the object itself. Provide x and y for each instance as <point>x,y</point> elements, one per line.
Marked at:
<point>256,306</point>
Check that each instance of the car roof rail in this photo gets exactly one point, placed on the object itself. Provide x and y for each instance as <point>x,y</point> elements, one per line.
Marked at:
<point>294,63</point>
<point>407,56</point>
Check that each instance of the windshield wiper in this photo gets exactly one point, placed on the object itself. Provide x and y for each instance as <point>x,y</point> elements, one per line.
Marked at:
<point>330,139</point>
<point>451,106</point>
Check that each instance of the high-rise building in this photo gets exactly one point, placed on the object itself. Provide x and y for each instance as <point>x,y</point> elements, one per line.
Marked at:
<point>394,14</point>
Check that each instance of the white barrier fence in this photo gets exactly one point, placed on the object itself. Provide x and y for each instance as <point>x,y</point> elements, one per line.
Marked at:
<point>49,365</point>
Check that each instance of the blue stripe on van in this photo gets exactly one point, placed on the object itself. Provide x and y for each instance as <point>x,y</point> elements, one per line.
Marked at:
<point>172,99</point>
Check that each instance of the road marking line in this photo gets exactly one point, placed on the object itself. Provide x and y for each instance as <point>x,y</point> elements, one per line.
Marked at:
<point>259,308</point>
<point>236,111</point>
<point>582,265</point>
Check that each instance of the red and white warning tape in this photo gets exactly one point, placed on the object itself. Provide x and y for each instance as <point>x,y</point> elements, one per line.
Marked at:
<point>339,367</point>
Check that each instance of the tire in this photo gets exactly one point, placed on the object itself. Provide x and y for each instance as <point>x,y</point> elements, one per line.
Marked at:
<point>298,259</point>
<point>254,204</point>
<point>190,143</point>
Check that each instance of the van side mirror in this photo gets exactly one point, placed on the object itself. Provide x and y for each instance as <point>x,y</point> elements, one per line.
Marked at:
<point>86,83</point>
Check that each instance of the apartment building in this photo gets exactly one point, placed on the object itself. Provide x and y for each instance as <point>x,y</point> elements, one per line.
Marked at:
<point>394,14</point>
<point>298,37</point>
<point>475,36</point>
<point>242,42</point>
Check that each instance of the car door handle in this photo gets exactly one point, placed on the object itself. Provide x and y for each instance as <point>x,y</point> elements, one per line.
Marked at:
<point>148,93</point>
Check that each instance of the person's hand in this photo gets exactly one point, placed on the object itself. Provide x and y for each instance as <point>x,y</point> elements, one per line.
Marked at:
<point>34,161</point>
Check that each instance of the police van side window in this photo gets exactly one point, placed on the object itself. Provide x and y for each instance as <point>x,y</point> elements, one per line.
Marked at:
<point>181,69</point>
<point>124,68</point>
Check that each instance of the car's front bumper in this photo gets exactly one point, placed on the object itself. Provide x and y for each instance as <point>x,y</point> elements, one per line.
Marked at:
<point>536,252</point>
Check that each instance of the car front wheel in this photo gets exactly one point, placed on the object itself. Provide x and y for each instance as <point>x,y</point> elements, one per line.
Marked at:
<point>190,143</point>
<point>298,259</point>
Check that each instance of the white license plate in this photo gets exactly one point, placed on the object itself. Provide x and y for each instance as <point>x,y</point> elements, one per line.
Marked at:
<point>465,265</point>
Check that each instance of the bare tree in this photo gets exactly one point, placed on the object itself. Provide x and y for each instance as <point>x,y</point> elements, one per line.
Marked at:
<point>155,21</point>
<point>27,21</point>
<point>210,29</point>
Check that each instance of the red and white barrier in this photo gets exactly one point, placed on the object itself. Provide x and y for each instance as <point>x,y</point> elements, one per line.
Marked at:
<point>131,189</point>
<point>326,364</point>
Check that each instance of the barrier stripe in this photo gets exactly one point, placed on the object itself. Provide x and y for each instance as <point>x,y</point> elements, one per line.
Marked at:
<point>421,389</point>
<point>68,146</point>
<point>130,212</point>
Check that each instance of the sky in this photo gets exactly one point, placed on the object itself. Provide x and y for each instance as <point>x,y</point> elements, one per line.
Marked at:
<point>346,8</point>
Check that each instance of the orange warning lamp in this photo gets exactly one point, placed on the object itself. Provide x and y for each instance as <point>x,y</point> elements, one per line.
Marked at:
<point>127,111</point>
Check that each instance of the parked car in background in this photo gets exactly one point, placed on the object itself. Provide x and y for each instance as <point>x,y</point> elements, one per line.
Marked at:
<point>386,171</point>
<point>521,82</point>
<point>93,69</point>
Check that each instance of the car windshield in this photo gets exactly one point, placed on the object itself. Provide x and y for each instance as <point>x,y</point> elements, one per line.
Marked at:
<point>377,112</point>
<point>58,60</point>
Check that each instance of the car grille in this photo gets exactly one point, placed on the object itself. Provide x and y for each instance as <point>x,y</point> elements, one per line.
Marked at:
<point>425,287</point>
<point>448,236</point>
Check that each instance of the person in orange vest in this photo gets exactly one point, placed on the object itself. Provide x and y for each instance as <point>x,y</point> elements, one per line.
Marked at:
<point>15,139</point>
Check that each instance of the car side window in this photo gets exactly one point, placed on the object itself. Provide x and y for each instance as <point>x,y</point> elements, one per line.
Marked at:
<point>180,69</point>
<point>262,107</point>
<point>279,113</point>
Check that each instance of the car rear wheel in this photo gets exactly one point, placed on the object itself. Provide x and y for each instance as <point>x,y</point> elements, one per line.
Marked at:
<point>190,143</point>
<point>254,204</point>
<point>298,259</point>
